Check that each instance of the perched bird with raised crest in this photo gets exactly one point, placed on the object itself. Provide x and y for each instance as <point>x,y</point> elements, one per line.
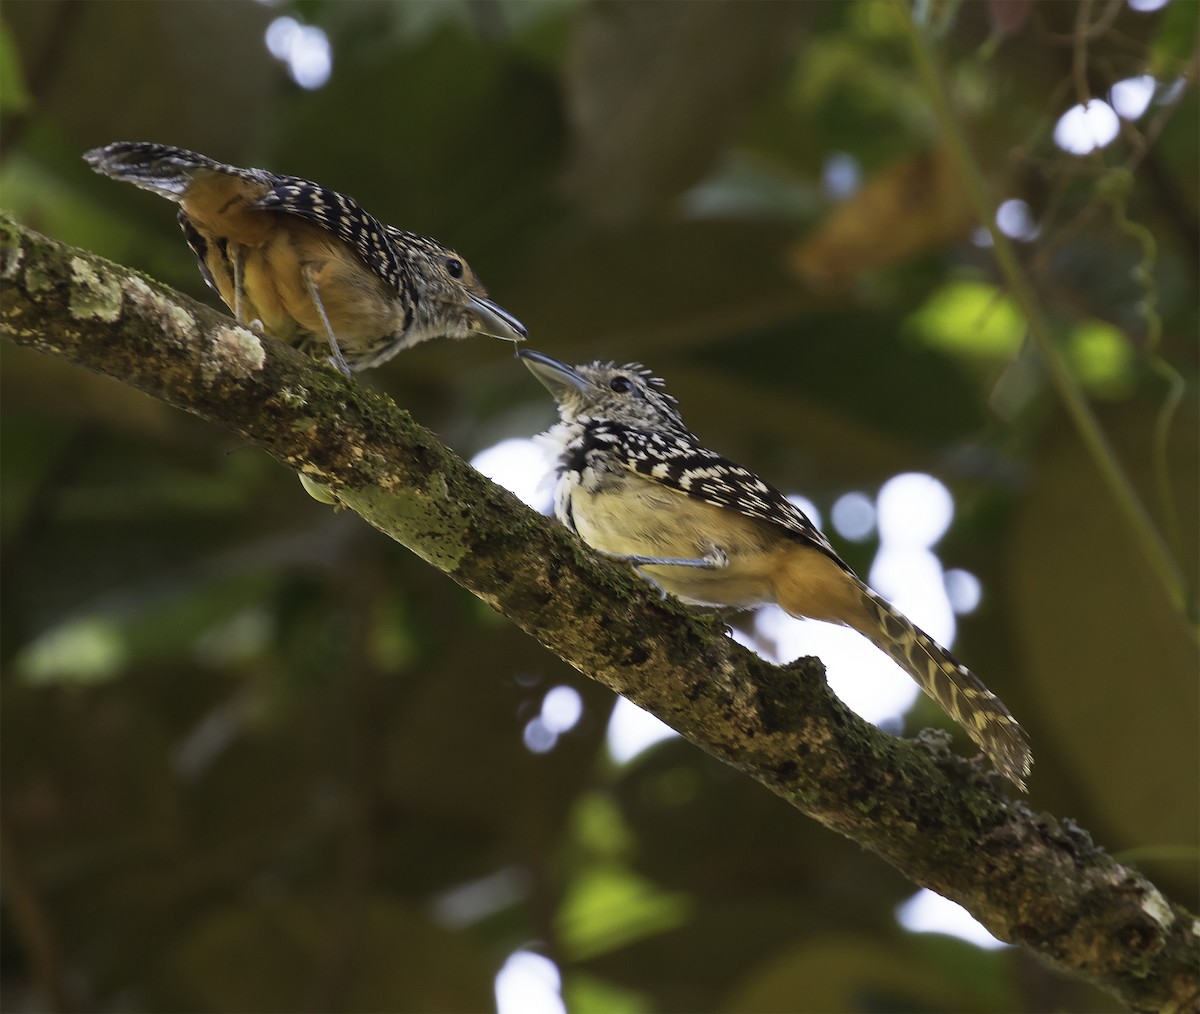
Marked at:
<point>308,265</point>
<point>634,483</point>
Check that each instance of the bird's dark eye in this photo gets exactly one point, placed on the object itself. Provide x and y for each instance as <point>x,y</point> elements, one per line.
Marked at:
<point>455,267</point>
<point>621,384</point>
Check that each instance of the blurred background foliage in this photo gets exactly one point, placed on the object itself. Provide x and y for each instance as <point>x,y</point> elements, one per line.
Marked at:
<point>256,757</point>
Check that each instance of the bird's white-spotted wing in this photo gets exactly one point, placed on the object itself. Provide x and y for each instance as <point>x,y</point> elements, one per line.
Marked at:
<point>340,215</point>
<point>682,463</point>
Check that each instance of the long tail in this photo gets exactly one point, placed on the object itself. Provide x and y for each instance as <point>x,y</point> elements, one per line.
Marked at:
<point>160,168</point>
<point>955,688</point>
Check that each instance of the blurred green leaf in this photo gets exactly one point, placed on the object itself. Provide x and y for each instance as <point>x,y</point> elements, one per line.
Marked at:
<point>585,994</point>
<point>86,651</point>
<point>600,828</point>
<point>606,907</point>
<point>970,319</point>
<point>1102,359</point>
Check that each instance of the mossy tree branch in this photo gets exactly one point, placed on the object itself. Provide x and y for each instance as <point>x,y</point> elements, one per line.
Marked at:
<point>938,818</point>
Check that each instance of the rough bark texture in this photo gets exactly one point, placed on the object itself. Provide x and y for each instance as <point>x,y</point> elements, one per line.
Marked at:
<point>938,818</point>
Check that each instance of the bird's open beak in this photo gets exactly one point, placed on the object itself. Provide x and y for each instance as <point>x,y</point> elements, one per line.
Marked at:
<point>558,378</point>
<point>496,321</point>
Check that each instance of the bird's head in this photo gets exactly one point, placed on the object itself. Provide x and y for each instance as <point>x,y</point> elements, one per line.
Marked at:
<point>449,298</point>
<point>626,394</point>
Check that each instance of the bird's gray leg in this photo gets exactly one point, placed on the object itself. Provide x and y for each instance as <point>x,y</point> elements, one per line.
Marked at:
<point>239,290</point>
<point>336,359</point>
<point>239,285</point>
<point>714,559</point>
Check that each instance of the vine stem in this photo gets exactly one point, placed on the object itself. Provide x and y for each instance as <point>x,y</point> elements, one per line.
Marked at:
<point>1069,391</point>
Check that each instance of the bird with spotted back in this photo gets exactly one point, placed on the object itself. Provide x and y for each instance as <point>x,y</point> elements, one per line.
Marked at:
<point>634,483</point>
<point>308,265</point>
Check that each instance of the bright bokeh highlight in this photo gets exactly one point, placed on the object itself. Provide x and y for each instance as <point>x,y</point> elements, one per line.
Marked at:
<point>853,516</point>
<point>1085,128</point>
<point>529,984</point>
<point>304,48</point>
<point>1015,219</point>
<point>521,466</point>
<point>562,708</point>
<point>1131,97</point>
<point>632,730</point>
<point>841,176</point>
<point>915,509</point>
<point>538,736</point>
<point>868,682</point>
<point>963,590</point>
<point>928,912</point>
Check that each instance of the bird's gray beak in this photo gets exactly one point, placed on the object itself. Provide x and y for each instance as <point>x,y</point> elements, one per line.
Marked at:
<point>496,321</point>
<point>558,378</point>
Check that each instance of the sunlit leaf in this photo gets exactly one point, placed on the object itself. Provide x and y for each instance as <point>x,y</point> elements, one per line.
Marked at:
<point>600,827</point>
<point>86,651</point>
<point>970,319</point>
<point>586,994</point>
<point>1102,358</point>
<point>607,907</point>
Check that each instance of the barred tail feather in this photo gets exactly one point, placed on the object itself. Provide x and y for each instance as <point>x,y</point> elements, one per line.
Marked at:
<point>956,689</point>
<point>160,168</point>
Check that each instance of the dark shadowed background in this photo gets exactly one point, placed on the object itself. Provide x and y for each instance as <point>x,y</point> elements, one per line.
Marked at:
<point>256,757</point>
